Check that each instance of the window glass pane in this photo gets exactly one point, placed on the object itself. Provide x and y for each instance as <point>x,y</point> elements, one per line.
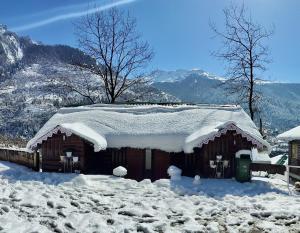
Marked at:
<point>294,150</point>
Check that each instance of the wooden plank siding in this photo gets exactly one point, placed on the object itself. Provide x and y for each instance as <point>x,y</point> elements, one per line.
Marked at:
<point>54,147</point>
<point>294,160</point>
<point>24,158</point>
<point>103,162</point>
<point>269,168</point>
<point>135,163</point>
<point>160,164</point>
<point>226,145</point>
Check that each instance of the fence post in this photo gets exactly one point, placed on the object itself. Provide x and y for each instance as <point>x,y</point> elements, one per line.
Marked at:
<point>288,177</point>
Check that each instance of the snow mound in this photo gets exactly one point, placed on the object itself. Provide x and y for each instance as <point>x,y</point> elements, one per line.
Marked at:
<point>174,172</point>
<point>120,171</point>
<point>80,180</point>
<point>197,180</point>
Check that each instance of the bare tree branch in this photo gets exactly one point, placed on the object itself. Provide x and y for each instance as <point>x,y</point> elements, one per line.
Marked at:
<point>245,53</point>
<point>110,37</point>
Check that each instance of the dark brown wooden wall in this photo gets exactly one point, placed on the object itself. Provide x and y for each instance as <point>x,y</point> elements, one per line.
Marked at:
<point>160,164</point>
<point>97,162</point>
<point>135,163</point>
<point>30,160</point>
<point>269,168</point>
<point>294,161</point>
<point>188,163</point>
<point>226,145</point>
<point>104,162</point>
<point>197,163</point>
<point>55,146</point>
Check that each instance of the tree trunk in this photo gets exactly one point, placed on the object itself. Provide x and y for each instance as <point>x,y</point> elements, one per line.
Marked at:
<point>251,103</point>
<point>260,126</point>
<point>251,87</point>
<point>112,100</point>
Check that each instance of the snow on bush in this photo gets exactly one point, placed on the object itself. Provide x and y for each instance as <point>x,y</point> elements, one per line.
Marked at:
<point>120,171</point>
<point>297,186</point>
<point>197,180</point>
<point>174,172</point>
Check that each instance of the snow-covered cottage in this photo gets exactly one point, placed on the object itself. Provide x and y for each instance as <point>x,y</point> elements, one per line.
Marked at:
<point>146,139</point>
<point>292,136</point>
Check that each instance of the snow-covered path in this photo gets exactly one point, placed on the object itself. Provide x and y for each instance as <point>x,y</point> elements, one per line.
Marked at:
<point>50,202</point>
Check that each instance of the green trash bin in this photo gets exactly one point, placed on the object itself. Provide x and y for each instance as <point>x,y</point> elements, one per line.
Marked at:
<point>242,169</point>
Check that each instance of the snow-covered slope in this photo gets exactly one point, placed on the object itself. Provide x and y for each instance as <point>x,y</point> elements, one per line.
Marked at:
<point>10,47</point>
<point>31,89</point>
<point>56,202</point>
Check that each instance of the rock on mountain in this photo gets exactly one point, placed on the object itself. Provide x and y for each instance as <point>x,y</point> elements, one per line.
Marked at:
<point>181,74</point>
<point>280,106</point>
<point>31,87</point>
<point>10,50</point>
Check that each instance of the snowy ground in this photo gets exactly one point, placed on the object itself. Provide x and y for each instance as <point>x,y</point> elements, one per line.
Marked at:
<point>49,202</point>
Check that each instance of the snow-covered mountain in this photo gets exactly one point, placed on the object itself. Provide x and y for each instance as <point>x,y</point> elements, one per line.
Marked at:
<point>280,108</point>
<point>10,47</point>
<point>31,87</point>
<point>181,74</point>
<point>30,90</point>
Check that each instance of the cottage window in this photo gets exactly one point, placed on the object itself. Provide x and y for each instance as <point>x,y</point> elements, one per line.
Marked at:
<point>148,159</point>
<point>294,154</point>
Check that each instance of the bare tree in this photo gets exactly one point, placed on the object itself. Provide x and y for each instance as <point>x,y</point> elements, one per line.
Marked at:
<point>245,53</point>
<point>111,38</point>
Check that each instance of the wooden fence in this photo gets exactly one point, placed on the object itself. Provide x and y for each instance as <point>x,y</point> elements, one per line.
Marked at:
<point>21,157</point>
<point>269,168</point>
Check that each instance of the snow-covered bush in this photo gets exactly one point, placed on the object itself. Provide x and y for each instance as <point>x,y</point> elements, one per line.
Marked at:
<point>197,180</point>
<point>297,186</point>
<point>120,171</point>
<point>174,172</point>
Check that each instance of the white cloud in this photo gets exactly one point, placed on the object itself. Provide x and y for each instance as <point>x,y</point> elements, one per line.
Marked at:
<point>70,15</point>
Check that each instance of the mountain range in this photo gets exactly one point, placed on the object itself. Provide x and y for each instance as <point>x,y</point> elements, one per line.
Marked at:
<point>33,83</point>
<point>33,77</point>
<point>280,107</point>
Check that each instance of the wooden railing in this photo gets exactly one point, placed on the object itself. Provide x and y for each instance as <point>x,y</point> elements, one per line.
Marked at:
<point>269,168</point>
<point>21,157</point>
<point>288,173</point>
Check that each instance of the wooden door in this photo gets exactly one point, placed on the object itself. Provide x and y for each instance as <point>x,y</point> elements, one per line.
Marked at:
<point>98,162</point>
<point>135,163</point>
<point>160,164</point>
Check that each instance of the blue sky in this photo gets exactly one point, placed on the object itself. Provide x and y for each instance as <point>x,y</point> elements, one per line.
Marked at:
<point>177,30</point>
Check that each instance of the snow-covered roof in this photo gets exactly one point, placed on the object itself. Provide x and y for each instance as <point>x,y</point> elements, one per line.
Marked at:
<point>290,135</point>
<point>82,131</point>
<point>281,159</point>
<point>259,157</point>
<point>170,128</point>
